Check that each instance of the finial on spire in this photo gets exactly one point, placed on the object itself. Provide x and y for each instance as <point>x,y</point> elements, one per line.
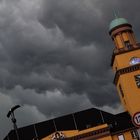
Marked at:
<point>116,13</point>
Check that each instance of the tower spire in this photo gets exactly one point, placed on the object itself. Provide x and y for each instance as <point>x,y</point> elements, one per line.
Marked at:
<point>116,13</point>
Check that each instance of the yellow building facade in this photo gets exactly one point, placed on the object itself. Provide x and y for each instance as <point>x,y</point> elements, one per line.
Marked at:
<point>101,132</point>
<point>126,65</point>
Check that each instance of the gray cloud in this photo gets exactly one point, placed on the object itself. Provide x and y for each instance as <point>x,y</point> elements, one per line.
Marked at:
<point>55,56</point>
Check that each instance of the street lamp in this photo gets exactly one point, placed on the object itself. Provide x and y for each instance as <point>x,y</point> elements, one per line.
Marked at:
<point>13,119</point>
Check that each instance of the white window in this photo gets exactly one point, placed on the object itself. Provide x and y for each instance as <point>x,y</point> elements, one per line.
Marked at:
<point>120,137</point>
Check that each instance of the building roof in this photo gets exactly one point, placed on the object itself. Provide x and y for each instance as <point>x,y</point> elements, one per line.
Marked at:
<point>117,22</point>
<point>79,120</point>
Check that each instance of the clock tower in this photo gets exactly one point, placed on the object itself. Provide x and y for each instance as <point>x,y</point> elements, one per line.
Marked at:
<point>126,66</point>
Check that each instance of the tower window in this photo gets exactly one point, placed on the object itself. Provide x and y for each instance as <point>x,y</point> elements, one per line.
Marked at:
<point>137,80</point>
<point>121,91</point>
<point>127,44</point>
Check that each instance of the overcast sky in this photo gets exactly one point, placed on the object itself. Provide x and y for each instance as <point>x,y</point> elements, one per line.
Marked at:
<point>55,57</point>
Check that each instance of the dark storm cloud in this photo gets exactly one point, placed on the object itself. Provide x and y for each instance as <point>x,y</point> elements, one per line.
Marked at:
<point>76,19</point>
<point>87,23</point>
<point>55,55</point>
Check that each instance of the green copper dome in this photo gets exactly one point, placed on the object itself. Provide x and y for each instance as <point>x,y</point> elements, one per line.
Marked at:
<point>116,22</point>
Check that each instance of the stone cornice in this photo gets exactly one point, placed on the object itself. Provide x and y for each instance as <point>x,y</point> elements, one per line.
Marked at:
<point>125,71</point>
<point>91,135</point>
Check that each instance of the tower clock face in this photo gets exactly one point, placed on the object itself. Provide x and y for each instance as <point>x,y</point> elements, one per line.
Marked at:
<point>137,79</point>
<point>134,60</point>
